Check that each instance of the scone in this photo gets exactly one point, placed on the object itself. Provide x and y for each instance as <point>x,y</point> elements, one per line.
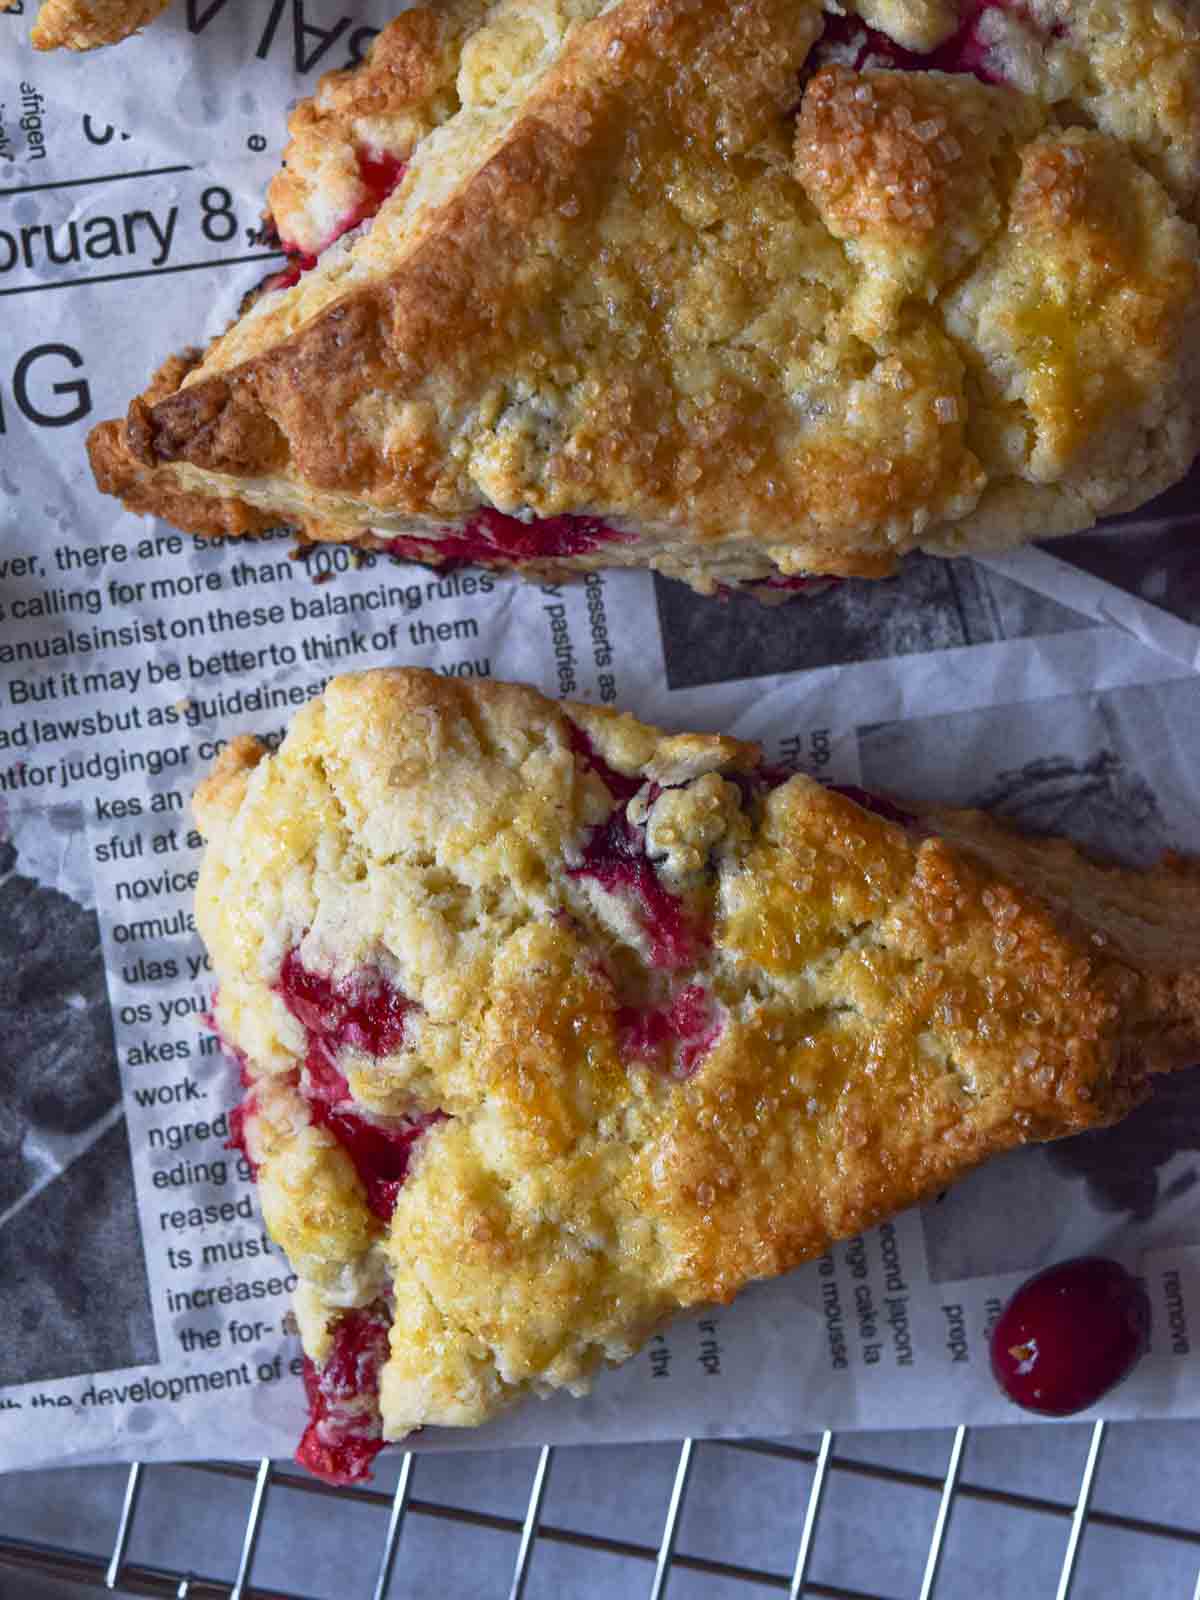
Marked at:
<point>552,1024</point>
<point>740,292</point>
<point>87,24</point>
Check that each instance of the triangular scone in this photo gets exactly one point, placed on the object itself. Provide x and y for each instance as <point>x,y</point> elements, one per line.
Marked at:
<point>552,1024</point>
<point>729,290</point>
<point>88,24</point>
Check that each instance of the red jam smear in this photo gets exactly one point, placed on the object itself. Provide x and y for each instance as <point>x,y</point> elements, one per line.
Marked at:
<point>380,175</point>
<point>367,1013</point>
<point>491,536</point>
<point>964,52</point>
<point>342,1438</point>
<point>689,1026</point>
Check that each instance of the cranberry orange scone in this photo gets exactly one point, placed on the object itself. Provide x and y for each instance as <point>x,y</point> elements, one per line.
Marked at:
<point>552,1024</point>
<point>741,292</point>
<point>87,24</point>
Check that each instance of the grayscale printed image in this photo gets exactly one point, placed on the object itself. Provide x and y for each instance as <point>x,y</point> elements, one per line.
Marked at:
<point>1103,770</point>
<point>929,605</point>
<point>76,1298</point>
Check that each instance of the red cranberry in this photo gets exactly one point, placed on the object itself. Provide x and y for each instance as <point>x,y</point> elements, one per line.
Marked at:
<point>1069,1335</point>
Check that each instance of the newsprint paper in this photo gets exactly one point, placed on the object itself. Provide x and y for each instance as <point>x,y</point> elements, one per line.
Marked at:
<point>143,1310</point>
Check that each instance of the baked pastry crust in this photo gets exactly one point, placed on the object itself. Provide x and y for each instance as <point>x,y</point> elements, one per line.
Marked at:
<point>88,24</point>
<point>727,290</point>
<point>644,1020</point>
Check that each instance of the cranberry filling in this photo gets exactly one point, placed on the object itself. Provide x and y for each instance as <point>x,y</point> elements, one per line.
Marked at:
<point>364,1011</point>
<point>690,1022</point>
<point>491,536</point>
<point>797,581</point>
<point>367,1013</point>
<point>237,1129</point>
<point>380,176</point>
<point>964,52</point>
<point>237,1117</point>
<point>621,787</point>
<point>812,587</point>
<point>873,802</point>
<point>342,1438</point>
<point>795,584</point>
<point>615,856</point>
<point>381,1154</point>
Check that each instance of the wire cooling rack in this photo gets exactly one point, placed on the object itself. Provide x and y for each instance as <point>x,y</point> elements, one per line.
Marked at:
<point>663,1562</point>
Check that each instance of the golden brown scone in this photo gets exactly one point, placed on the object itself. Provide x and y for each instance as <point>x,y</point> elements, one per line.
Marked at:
<point>154,489</point>
<point>744,293</point>
<point>552,1024</point>
<point>88,24</point>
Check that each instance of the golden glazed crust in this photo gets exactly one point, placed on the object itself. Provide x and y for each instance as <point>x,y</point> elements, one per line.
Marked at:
<point>783,1018</point>
<point>747,294</point>
<point>88,24</point>
<point>402,93</point>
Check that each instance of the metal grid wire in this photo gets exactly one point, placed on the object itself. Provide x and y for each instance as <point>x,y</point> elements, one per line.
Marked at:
<point>661,1560</point>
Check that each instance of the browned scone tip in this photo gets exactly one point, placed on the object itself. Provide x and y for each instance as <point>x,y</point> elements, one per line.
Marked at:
<point>650,1020</point>
<point>733,293</point>
<point>88,24</point>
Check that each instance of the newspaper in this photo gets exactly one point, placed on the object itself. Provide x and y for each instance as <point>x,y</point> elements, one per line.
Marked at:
<point>145,1311</point>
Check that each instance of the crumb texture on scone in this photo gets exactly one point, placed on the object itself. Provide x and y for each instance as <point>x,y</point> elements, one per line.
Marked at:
<point>552,1023</point>
<point>88,24</point>
<point>739,292</point>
